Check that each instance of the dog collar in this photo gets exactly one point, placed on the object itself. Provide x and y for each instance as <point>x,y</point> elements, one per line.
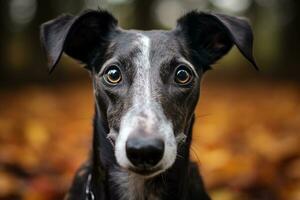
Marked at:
<point>89,195</point>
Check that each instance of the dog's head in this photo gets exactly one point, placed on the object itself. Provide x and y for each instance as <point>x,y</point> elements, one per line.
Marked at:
<point>146,83</point>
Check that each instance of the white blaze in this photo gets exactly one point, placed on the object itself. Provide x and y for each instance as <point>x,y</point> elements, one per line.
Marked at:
<point>153,118</point>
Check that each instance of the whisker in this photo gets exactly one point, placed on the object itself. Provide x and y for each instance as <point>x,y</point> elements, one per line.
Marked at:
<point>196,155</point>
<point>202,116</point>
<point>180,156</point>
<point>112,138</point>
<point>181,138</point>
<point>163,179</point>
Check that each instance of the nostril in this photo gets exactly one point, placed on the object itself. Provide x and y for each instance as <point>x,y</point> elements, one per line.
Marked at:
<point>144,152</point>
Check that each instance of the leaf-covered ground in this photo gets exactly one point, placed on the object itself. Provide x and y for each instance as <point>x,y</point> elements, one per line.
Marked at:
<point>246,140</point>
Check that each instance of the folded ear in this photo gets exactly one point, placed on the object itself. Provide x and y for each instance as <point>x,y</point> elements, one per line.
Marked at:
<point>213,35</point>
<point>77,36</point>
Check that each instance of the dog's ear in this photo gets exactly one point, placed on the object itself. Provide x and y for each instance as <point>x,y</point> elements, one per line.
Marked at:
<point>213,35</point>
<point>77,36</point>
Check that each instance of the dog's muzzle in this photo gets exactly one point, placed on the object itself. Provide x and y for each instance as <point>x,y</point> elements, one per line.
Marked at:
<point>146,143</point>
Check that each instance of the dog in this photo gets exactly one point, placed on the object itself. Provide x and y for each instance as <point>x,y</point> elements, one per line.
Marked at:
<point>146,86</point>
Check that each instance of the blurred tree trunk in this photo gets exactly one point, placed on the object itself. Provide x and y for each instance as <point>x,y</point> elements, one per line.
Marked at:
<point>290,66</point>
<point>144,16</point>
<point>3,37</point>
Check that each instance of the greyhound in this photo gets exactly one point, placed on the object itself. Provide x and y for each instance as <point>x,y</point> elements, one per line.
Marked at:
<point>146,86</point>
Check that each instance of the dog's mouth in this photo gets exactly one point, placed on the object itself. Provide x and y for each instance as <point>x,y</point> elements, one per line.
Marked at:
<point>147,172</point>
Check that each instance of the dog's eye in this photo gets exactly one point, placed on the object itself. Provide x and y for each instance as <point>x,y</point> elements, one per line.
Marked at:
<point>113,75</point>
<point>183,75</point>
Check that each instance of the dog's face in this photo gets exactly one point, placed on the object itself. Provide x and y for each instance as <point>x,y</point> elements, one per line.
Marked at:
<point>146,83</point>
<point>150,87</point>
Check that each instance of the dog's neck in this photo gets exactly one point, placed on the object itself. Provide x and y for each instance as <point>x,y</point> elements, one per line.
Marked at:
<point>122,185</point>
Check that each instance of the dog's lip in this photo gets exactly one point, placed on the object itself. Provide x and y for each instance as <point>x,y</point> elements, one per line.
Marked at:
<point>145,171</point>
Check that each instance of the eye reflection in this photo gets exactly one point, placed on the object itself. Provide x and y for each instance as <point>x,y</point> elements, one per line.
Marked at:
<point>183,75</point>
<point>113,75</point>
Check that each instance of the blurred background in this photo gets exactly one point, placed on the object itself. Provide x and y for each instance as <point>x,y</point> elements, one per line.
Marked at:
<point>247,132</point>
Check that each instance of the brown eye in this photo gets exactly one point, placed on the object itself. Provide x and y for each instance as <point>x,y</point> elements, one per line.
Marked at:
<point>113,75</point>
<point>183,75</point>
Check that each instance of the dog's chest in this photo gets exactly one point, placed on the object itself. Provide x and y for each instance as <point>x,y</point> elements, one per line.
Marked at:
<point>132,187</point>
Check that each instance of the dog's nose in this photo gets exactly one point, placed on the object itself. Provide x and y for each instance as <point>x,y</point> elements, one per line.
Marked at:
<point>144,152</point>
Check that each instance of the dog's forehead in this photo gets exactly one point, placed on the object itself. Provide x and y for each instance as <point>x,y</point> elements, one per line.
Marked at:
<point>159,44</point>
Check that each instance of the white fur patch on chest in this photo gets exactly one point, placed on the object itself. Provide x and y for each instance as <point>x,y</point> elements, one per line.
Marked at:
<point>130,186</point>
